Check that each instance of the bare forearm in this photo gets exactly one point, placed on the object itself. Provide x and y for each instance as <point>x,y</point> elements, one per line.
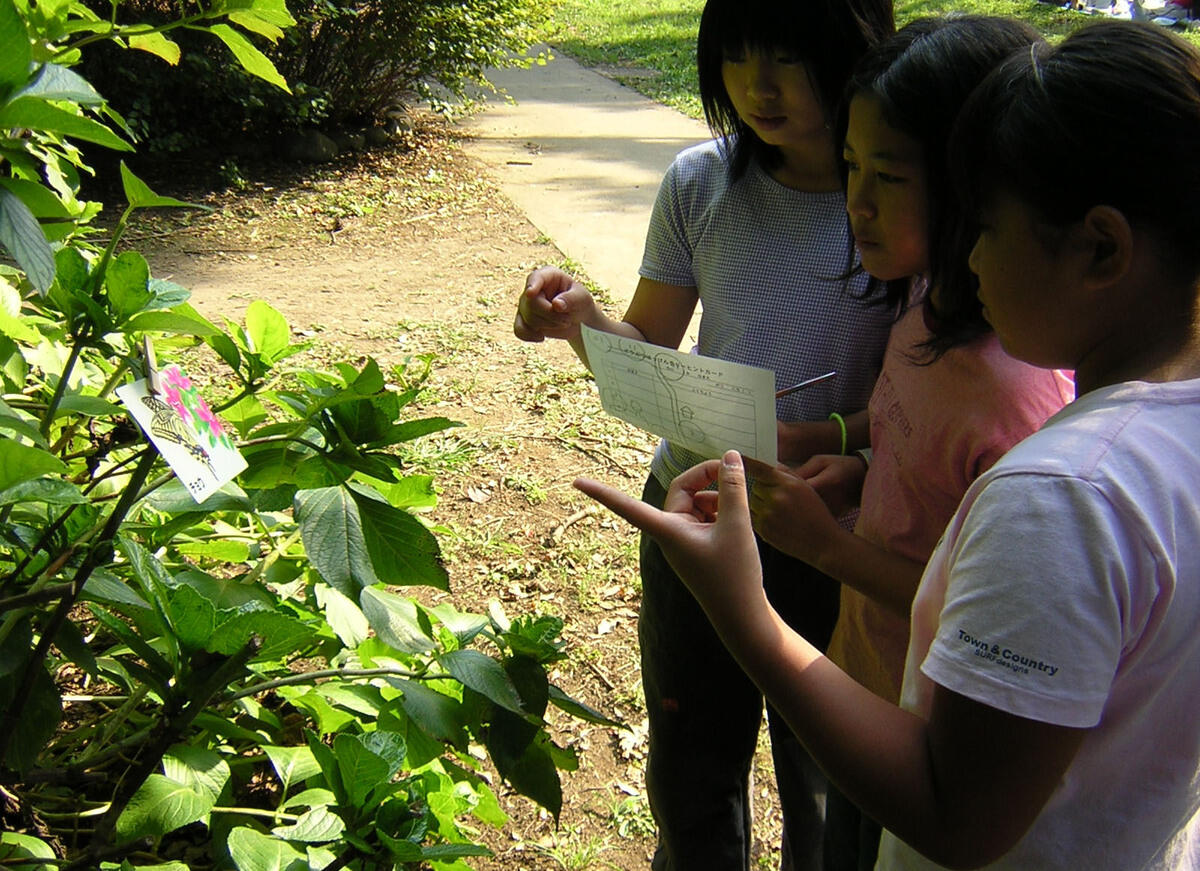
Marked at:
<point>602,322</point>
<point>887,578</point>
<point>873,751</point>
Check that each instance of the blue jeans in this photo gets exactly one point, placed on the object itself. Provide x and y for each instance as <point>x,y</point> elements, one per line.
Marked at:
<point>705,715</point>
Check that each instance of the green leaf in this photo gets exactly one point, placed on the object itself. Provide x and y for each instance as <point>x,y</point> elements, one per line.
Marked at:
<point>253,851</point>
<point>198,768</point>
<point>564,702</point>
<point>193,616</point>
<point>22,236</point>
<point>396,621</point>
<point>162,805</point>
<point>252,22</point>
<point>127,282</point>
<point>464,626</point>
<point>332,533</point>
<point>37,114</point>
<point>315,826</point>
<point>15,50</point>
<point>410,492</point>
<point>14,845</point>
<point>140,196</point>
<point>40,717</point>
<point>441,852</point>
<point>484,675</point>
<point>436,714</point>
<point>280,633</point>
<point>292,764</point>
<point>359,768</point>
<point>54,82</point>
<point>252,60</point>
<point>402,551</point>
<point>156,44</point>
<point>20,463</point>
<point>49,491</point>
<point>267,330</point>
<point>42,202</point>
<point>342,613</point>
<point>169,322</point>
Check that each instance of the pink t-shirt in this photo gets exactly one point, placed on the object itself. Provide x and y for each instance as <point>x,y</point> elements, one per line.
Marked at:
<point>934,429</point>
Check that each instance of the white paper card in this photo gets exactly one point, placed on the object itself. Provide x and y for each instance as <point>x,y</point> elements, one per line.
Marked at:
<point>706,405</point>
<point>186,432</point>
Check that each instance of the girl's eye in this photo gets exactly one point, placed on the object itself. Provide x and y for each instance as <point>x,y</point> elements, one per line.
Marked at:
<point>851,165</point>
<point>787,59</point>
<point>888,178</point>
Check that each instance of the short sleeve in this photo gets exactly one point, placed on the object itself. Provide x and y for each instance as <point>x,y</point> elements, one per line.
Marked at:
<point>1040,580</point>
<point>667,256</point>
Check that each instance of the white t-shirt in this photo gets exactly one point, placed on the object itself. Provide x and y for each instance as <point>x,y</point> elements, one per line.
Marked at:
<point>1067,590</point>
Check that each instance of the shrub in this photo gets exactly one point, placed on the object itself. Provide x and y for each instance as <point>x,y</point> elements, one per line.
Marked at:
<point>348,64</point>
<point>238,661</point>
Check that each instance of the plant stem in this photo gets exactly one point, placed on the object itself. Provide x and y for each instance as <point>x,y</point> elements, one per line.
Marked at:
<point>61,388</point>
<point>170,729</point>
<point>310,676</point>
<point>20,697</point>
<point>255,812</point>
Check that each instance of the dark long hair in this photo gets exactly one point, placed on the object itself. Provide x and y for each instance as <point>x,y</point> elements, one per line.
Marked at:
<point>921,78</point>
<point>1110,116</point>
<point>827,35</point>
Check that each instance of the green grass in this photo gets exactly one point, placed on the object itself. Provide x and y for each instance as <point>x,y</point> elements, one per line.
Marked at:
<point>660,35</point>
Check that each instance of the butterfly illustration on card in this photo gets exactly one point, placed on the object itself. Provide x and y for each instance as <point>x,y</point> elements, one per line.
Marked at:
<point>166,424</point>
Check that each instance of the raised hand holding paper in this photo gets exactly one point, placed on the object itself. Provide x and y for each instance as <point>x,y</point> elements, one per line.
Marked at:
<point>706,405</point>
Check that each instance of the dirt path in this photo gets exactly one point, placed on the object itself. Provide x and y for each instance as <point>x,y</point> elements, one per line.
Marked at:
<point>411,250</point>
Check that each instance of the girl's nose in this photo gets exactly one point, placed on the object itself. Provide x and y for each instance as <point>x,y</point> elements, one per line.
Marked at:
<point>761,79</point>
<point>859,202</point>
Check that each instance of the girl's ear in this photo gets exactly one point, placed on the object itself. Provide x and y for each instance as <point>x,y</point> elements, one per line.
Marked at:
<point>1108,237</point>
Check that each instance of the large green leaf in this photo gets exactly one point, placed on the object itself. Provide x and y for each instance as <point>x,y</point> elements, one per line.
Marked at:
<point>15,50</point>
<point>162,805</point>
<point>55,82</point>
<point>20,462</point>
<point>22,236</point>
<point>254,851</point>
<point>396,621</point>
<point>436,714</point>
<point>14,845</point>
<point>484,675</point>
<point>343,614</point>
<point>267,330</point>
<point>401,549</point>
<point>318,825</point>
<point>359,768</point>
<point>157,44</point>
<point>292,764</point>
<point>332,533</point>
<point>254,61</point>
<point>127,282</point>
<point>140,196</point>
<point>37,114</point>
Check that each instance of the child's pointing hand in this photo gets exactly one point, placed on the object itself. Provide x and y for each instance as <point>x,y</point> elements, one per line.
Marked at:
<point>705,534</point>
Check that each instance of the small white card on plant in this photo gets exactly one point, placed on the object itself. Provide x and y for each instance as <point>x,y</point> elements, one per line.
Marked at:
<point>189,436</point>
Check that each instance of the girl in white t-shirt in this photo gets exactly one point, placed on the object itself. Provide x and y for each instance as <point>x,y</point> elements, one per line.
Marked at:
<point>949,401</point>
<point>1047,718</point>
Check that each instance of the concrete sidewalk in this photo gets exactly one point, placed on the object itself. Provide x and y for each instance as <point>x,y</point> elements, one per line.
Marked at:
<point>582,157</point>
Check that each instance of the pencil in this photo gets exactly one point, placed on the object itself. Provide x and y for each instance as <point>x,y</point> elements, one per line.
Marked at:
<point>789,390</point>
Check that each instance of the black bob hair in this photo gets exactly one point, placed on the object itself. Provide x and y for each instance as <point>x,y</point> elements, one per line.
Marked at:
<point>827,35</point>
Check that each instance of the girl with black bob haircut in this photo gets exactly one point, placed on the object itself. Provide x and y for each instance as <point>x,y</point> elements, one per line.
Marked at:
<point>827,36</point>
